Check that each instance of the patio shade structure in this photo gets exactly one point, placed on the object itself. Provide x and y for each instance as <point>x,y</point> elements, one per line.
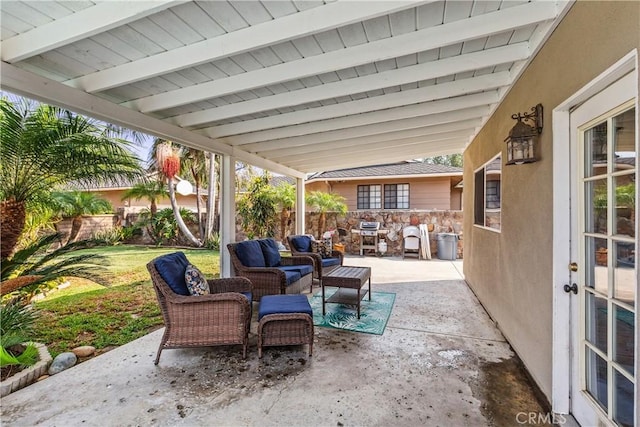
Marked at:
<point>290,86</point>
<point>285,85</point>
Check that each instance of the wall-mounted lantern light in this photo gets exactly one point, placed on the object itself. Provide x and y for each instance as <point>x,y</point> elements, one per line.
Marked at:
<point>523,138</point>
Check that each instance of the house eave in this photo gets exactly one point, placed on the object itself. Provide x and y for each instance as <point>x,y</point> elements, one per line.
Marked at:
<point>383,177</point>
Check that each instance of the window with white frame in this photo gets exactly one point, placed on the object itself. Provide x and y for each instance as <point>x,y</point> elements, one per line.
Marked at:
<point>487,194</point>
<point>396,196</point>
<point>369,197</point>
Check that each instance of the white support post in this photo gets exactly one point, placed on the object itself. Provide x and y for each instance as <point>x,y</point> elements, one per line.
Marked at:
<point>300,206</point>
<point>227,213</point>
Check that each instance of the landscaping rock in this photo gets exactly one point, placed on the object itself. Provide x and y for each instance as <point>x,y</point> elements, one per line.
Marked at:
<point>84,351</point>
<point>61,362</point>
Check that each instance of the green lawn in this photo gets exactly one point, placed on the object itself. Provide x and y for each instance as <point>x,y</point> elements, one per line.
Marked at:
<point>87,313</point>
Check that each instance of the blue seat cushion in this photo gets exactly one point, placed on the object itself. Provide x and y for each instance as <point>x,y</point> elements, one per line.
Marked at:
<point>302,243</point>
<point>292,276</point>
<point>249,297</point>
<point>250,253</point>
<point>284,304</point>
<point>303,269</point>
<point>327,262</point>
<point>172,268</point>
<point>270,252</point>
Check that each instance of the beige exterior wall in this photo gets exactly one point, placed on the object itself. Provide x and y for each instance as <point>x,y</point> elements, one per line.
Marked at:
<point>115,198</point>
<point>456,198</point>
<point>317,186</point>
<point>424,193</point>
<point>511,271</point>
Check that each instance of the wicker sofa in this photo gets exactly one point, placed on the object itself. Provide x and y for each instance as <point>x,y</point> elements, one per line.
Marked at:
<point>270,274</point>
<point>222,317</point>
<point>301,245</point>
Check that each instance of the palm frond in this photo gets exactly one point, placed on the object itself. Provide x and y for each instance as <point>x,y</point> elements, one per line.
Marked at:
<point>51,265</point>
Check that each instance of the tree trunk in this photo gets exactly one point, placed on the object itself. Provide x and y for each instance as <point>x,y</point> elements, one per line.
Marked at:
<point>285,214</point>
<point>12,219</point>
<point>211,197</point>
<point>153,208</point>
<point>76,225</point>
<point>199,210</point>
<point>322,220</point>
<point>178,217</point>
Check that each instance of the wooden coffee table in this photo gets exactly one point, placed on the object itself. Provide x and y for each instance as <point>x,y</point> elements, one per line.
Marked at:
<point>349,281</point>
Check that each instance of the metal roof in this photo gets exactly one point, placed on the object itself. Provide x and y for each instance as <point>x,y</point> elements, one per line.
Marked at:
<point>291,86</point>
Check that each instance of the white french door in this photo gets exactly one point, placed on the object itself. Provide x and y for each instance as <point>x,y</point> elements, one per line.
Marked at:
<point>604,324</point>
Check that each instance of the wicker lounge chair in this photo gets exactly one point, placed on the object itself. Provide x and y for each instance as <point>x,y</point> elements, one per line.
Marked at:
<point>270,274</point>
<point>301,245</point>
<point>220,318</point>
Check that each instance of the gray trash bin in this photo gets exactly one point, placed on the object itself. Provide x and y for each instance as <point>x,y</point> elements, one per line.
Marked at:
<point>447,246</point>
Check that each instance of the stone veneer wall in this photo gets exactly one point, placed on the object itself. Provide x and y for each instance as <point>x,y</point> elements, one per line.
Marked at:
<point>394,221</point>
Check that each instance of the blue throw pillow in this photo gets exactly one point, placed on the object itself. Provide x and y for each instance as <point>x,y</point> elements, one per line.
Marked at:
<point>250,253</point>
<point>302,243</point>
<point>171,268</point>
<point>270,252</point>
<point>195,280</point>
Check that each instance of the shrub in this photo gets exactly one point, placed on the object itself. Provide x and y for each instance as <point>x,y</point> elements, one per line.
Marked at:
<point>163,227</point>
<point>213,242</point>
<point>110,237</point>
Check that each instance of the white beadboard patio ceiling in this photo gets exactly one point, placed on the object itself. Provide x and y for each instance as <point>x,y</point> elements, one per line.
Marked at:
<point>291,86</point>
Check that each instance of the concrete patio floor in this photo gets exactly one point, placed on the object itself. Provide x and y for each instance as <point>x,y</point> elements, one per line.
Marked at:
<point>440,362</point>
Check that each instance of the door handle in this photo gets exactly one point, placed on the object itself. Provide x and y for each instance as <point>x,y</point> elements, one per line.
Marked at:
<point>573,288</point>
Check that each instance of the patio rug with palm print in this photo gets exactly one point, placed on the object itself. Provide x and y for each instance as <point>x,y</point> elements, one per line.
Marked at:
<point>374,314</point>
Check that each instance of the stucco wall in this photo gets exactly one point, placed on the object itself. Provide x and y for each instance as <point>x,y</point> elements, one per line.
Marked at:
<point>424,193</point>
<point>511,271</point>
<point>115,198</point>
<point>91,224</point>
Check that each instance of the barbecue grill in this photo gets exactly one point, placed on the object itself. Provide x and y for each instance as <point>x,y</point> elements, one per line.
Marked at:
<point>369,232</point>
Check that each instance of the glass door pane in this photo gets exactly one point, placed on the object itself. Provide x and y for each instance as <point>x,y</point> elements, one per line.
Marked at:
<point>610,274</point>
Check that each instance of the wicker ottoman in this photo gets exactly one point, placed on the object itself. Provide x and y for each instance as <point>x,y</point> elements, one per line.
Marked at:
<point>284,320</point>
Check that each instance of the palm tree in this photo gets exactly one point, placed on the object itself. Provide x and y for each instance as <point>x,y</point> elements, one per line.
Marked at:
<point>323,203</point>
<point>257,208</point>
<point>285,195</point>
<point>76,204</point>
<point>43,147</point>
<point>38,263</point>
<point>165,158</point>
<point>195,164</point>
<point>150,190</point>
